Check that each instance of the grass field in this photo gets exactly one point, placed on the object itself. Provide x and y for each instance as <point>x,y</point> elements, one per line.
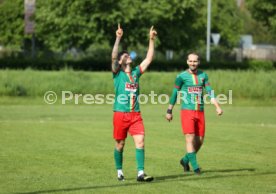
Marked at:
<point>69,149</point>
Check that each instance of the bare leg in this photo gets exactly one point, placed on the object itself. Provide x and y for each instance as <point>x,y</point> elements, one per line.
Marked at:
<point>139,141</point>
<point>190,138</point>
<point>119,145</point>
<point>198,143</point>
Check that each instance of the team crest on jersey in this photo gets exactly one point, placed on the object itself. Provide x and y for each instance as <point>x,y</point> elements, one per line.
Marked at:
<point>195,90</point>
<point>131,87</point>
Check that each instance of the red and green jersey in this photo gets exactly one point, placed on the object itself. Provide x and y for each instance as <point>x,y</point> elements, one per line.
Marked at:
<point>126,85</point>
<point>190,86</point>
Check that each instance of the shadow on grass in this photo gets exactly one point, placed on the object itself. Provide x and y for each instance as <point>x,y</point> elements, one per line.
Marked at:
<point>205,172</point>
<point>160,179</point>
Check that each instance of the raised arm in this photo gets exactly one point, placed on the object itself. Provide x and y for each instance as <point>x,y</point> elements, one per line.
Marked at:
<point>145,63</point>
<point>114,65</point>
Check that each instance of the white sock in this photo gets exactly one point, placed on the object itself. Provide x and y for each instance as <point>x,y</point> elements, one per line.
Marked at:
<point>140,172</point>
<point>120,172</point>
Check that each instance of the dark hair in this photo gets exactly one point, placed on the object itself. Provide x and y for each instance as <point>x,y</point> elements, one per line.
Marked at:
<point>120,54</point>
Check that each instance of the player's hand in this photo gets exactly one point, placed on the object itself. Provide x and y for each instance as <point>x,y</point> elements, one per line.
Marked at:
<point>219,111</point>
<point>152,33</point>
<point>169,117</point>
<point>119,32</point>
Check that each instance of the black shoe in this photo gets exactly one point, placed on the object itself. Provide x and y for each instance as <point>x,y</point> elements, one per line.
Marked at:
<point>144,178</point>
<point>197,171</point>
<point>186,167</point>
<point>121,178</point>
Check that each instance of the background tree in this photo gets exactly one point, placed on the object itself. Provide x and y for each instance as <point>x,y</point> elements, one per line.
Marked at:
<point>181,24</point>
<point>64,24</point>
<point>12,23</point>
<point>226,21</point>
<point>264,12</point>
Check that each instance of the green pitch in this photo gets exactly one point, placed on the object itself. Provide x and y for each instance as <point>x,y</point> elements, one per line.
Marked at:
<point>69,149</point>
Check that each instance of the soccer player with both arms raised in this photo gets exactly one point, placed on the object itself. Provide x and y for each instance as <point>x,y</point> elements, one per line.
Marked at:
<point>127,117</point>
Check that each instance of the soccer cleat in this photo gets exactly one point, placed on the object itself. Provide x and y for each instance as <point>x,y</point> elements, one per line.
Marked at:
<point>121,178</point>
<point>186,167</point>
<point>144,178</point>
<point>197,171</point>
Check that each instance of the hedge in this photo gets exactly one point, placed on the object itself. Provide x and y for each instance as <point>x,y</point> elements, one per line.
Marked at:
<point>91,64</point>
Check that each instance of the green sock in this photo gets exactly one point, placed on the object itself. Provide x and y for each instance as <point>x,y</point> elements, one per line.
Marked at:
<point>186,159</point>
<point>140,158</point>
<point>192,159</point>
<point>118,156</point>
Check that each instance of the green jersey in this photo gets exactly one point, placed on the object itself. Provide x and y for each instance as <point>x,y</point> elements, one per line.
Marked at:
<point>126,85</point>
<point>190,86</point>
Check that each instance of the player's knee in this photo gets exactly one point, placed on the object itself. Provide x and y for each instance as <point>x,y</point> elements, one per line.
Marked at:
<point>140,144</point>
<point>120,148</point>
<point>190,138</point>
<point>120,145</point>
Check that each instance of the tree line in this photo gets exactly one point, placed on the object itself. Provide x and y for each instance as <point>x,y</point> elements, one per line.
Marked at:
<point>181,24</point>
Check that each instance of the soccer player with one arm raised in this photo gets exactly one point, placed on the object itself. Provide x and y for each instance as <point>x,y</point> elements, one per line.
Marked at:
<point>127,117</point>
<point>190,84</point>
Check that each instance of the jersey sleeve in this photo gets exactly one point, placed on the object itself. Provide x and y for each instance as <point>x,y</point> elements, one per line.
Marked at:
<point>208,87</point>
<point>177,86</point>
<point>178,82</point>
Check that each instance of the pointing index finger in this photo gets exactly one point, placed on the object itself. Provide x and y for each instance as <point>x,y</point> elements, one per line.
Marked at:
<point>119,26</point>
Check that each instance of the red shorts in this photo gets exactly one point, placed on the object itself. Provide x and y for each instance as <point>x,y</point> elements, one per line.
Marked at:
<point>124,122</point>
<point>193,122</point>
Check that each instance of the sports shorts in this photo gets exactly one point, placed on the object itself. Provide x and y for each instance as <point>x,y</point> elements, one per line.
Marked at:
<point>127,122</point>
<point>193,122</point>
